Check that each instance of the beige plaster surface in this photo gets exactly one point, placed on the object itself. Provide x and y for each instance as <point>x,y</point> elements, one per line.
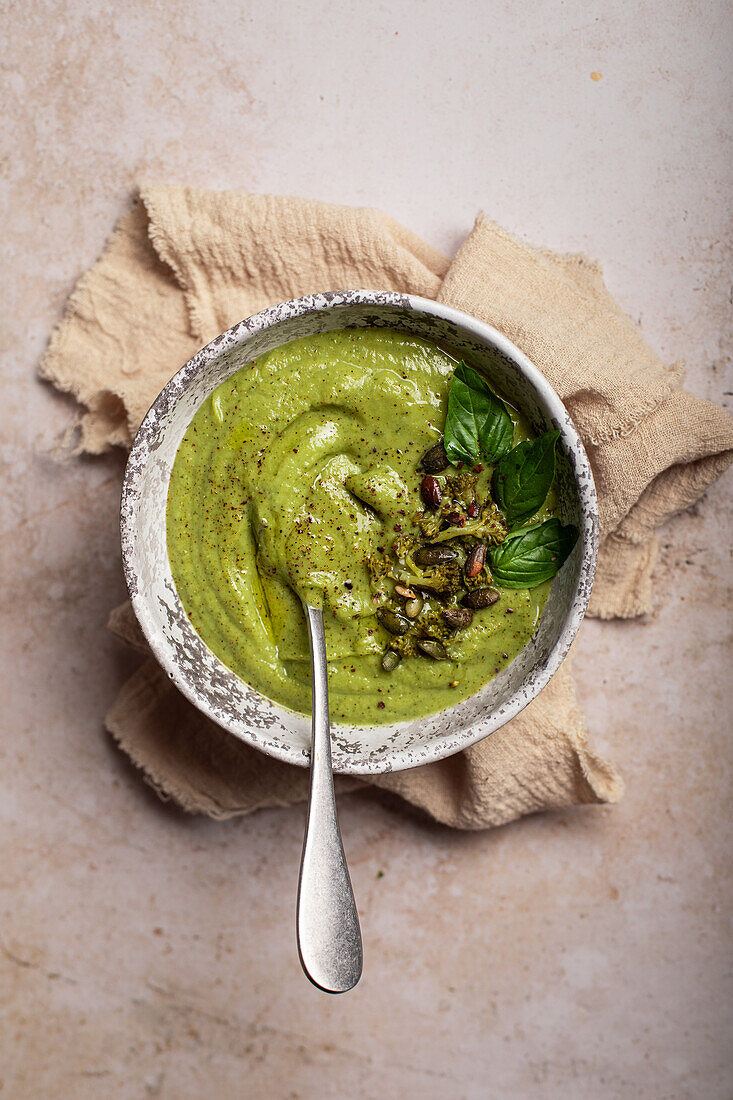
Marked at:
<point>576,955</point>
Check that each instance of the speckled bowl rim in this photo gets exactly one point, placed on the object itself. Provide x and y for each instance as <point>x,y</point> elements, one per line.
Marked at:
<point>538,677</point>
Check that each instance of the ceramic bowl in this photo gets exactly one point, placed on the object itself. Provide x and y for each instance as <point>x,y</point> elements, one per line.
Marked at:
<point>217,691</point>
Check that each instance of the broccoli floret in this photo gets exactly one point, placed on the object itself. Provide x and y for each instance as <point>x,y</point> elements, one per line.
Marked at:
<point>444,580</point>
<point>433,625</point>
<point>379,567</point>
<point>462,486</point>
<point>459,493</point>
<point>404,546</point>
<point>430,625</point>
<point>488,526</point>
<point>429,522</point>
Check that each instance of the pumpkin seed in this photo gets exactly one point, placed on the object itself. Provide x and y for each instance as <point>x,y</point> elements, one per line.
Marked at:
<point>431,647</point>
<point>458,618</point>
<point>413,607</point>
<point>435,555</point>
<point>430,491</point>
<point>479,598</point>
<point>392,622</point>
<point>435,460</point>
<point>390,660</point>
<point>475,560</point>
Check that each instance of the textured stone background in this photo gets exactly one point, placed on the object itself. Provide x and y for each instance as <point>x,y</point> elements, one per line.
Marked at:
<point>579,955</point>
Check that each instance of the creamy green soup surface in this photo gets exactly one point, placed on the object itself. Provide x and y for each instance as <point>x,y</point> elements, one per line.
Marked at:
<point>290,476</point>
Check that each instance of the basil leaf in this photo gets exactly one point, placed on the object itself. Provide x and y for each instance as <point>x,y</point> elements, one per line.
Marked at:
<point>477,424</point>
<point>532,555</point>
<point>523,478</point>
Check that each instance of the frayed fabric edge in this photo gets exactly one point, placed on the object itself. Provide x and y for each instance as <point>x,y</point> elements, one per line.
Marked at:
<point>160,243</point>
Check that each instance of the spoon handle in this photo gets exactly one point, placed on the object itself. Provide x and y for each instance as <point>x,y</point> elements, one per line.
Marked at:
<point>329,937</point>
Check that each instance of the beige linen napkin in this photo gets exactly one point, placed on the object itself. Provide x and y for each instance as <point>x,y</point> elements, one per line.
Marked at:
<point>183,265</point>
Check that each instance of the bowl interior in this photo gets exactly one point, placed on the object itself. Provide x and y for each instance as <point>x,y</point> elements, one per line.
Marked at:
<point>216,690</point>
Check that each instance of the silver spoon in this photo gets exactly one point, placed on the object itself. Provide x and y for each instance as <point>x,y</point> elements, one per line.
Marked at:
<point>329,937</point>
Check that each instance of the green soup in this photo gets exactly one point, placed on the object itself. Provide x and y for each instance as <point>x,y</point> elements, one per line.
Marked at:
<point>290,475</point>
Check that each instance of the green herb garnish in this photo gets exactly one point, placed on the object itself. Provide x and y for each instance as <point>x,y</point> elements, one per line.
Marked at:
<point>477,424</point>
<point>522,478</point>
<point>462,543</point>
<point>532,555</point>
